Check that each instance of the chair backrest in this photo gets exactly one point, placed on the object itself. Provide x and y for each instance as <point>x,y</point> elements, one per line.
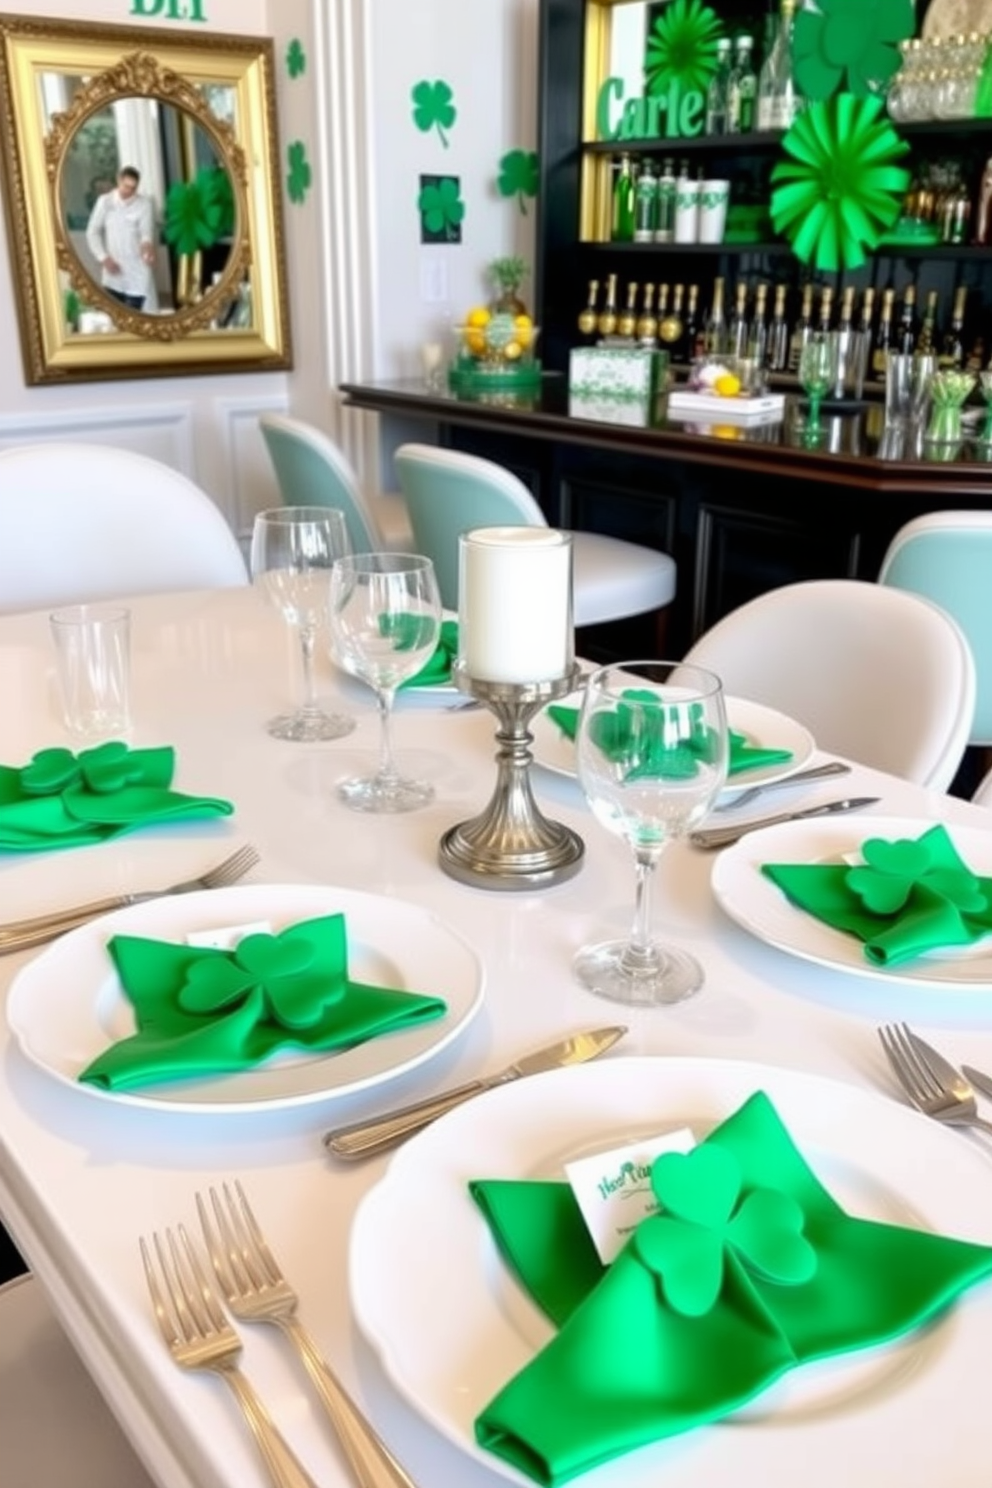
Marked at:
<point>879,675</point>
<point>88,522</point>
<point>312,471</point>
<point>448,493</point>
<point>947,557</point>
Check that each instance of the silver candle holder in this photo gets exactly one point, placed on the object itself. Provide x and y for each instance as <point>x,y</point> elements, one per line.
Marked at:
<point>512,845</point>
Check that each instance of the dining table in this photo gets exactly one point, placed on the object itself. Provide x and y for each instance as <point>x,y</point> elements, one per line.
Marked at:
<point>85,1172</point>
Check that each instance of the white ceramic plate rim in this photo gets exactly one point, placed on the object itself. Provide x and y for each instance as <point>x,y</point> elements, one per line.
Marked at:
<point>762,726</point>
<point>761,908</point>
<point>880,1159</point>
<point>62,1004</point>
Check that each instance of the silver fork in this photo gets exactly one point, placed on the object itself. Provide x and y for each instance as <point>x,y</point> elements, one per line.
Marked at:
<point>818,772</point>
<point>198,1336</point>
<point>255,1290</point>
<point>933,1085</point>
<point>17,935</point>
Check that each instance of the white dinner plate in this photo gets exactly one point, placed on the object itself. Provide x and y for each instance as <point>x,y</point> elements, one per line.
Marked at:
<point>451,1327</point>
<point>761,907</point>
<point>67,1005</point>
<point>763,727</point>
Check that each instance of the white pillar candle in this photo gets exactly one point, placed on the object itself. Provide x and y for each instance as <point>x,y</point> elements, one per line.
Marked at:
<point>515,604</point>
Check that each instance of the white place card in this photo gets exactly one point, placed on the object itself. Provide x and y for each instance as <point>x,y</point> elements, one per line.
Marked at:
<point>226,937</point>
<point>613,1189</point>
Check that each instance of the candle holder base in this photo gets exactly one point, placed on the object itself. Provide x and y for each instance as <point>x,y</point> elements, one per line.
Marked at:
<point>512,845</point>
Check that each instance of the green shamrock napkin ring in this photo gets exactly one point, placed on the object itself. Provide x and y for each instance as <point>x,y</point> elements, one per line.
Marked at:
<point>202,1011</point>
<point>61,799</point>
<point>906,898</point>
<point>749,1269</point>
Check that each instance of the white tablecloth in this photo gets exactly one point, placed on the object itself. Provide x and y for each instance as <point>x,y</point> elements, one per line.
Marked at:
<point>81,1178</point>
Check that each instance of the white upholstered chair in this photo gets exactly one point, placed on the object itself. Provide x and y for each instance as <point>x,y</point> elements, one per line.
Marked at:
<point>983,793</point>
<point>448,492</point>
<point>874,673</point>
<point>83,522</point>
<point>312,471</point>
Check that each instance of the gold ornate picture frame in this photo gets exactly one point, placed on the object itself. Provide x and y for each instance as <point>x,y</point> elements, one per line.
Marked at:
<point>82,104</point>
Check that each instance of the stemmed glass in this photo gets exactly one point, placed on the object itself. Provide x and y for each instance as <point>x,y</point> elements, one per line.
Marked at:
<point>816,374</point>
<point>293,549</point>
<point>652,758</point>
<point>385,623</point>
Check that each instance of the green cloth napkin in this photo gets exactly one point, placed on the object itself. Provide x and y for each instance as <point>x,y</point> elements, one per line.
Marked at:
<point>202,1011</point>
<point>750,1269</point>
<point>907,897</point>
<point>61,799</point>
<point>438,669</point>
<point>742,755</point>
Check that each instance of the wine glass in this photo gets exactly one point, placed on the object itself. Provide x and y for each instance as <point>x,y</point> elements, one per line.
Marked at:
<point>293,549</point>
<point>816,374</point>
<point>385,624</point>
<point>652,758</point>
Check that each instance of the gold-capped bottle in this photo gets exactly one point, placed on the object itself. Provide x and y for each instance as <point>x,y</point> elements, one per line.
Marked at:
<point>737,328</point>
<point>802,329</point>
<point>826,309</point>
<point>587,316</point>
<point>952,347</point>
<point>671,329</point>
<point>692,337</point>
<point>867,308</point>
<point>883,342</point>
<point>778,334</point>
<point>715,329</point>
<point>627,322</point>
<point>606,323</point>
<point>926,341</point>
<point>646,329</point>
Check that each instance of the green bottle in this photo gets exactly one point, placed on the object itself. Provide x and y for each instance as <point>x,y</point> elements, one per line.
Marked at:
<point>623,203</point>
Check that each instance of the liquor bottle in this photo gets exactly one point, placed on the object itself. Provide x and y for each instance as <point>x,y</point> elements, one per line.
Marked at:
<point>908,328</point>
<point>587,317</point>
<point>757,333</point>
<point>646,329</point>
<point>778,98</point>
<point>667,190</point>
<point>716,93</point>
<point>845,320</point>
<point>715,329</point>
<point>671,328</point>
<point>737,328</point>
<point>662,301</point>
<point>606,324</point>
<point>692,341</point>
<point>952,347</point>
<point>623,203</point>
<point>778,334</point>
<point>826,309</point>
<point>646,204</point>
<point>627,320</point>
<point>884,340</point>
<point>926,341</point>
<point>867,307</point>
<point>802,328</point>
<point>742,88</point>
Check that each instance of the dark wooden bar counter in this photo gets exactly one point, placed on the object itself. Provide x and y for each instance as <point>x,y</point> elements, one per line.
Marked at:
<point>742,507</point>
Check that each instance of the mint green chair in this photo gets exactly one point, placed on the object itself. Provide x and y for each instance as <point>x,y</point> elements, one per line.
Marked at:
<point>946,556</point>
<point>312,471</point>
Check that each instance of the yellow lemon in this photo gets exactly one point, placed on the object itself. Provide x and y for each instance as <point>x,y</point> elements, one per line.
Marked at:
<point>725,431</point>
<point>524,327</point>
<point>728,386</point>
<point>478,317</point>
<point>512,351</point>
<point>476,342</point>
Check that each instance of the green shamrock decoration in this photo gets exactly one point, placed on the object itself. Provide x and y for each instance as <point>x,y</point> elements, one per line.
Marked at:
<point>408,632</point>
<point>894,869</point>
<point>294,990</point>
<point>197,212</point>
<point>648,739</point>
<point>703,1218</point>
<point>104,769</point>
<point>441,208</point>
<point>299,175</point>
<point>849,44</point>
<point>518,176</point>
<point>296,58</point>
<point>433,108</point>
<point>682,48</point>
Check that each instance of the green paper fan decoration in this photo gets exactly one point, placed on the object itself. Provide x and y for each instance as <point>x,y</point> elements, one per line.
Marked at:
<point>682,48</point>
<point>850,44</point>
<point>839,191</point>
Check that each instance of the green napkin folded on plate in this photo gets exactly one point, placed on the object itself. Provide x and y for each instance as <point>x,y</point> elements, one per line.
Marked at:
<point>202,1011</point>
<point>907,897</point>
<point>749,1269</point>
<point>406,633</point>
<point>743,756</point>
<point>63,799</point>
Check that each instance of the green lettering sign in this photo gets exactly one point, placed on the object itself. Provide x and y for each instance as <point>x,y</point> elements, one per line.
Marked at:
<point>611,89</point>
<point>639,118</point>
<point>691,111</point>
<point>632,121</point>
<point>174,10</point>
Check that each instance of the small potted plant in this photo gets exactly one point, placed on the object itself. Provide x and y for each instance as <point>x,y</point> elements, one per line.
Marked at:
<point>507,275</point>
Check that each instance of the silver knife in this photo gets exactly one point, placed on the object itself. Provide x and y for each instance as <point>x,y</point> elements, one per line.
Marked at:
<point>724,836</point>
<point>364,1138</point>
<point>981,1082</point>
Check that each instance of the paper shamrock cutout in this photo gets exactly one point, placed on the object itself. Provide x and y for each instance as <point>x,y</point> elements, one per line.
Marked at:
<point>441,208</point>
<point>627,1367</point>
<point>296,58</point>
<point>434,108</point>
<point>518,176</point>
<point>682,48</point>
<point>838,191</point>
<point>202,1011</point>
<point>105,768</point>
<point>850,44</point>
<point>650,739</point>
<point>299,174</point>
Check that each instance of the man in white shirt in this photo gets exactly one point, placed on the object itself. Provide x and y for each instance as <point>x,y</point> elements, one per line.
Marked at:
<point>120,236</point>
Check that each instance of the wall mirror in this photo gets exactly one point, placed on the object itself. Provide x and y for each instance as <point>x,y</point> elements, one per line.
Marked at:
<point>141,188</point>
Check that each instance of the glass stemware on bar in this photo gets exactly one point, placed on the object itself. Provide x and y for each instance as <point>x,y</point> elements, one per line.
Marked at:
<point>817,371</point>
<point>293,549</point>
<point>385,625</point>
<point>652,758</point>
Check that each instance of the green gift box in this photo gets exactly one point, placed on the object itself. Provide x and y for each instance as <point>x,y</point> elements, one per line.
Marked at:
<point>617,373</point>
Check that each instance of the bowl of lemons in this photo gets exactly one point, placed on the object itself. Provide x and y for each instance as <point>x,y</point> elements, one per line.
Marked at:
<point>494,347</point>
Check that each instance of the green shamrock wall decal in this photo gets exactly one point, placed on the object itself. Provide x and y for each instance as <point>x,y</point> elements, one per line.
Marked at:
<point>299,174</point>
<point>518,176</point>
<point>849,44</point>
<point>682,48</point>
<point>296,58</point>
<point>441,209</point>
<point>433,107</point>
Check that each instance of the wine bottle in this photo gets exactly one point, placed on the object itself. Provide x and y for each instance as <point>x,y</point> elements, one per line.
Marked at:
<point>779,100</point>
<point>627,320</point>
<point>778,334</point>
<point>757,331</point>
<point>867,307</point>
<point>845,320</point>
<point>587,316</point>
<point>742,88</point>
<point>692,340</point>
<point>737,328</point>
<point>606,324</point>
<point>926,341</point>
<point>623,203</point>
<point>646,329</point>
<point>952,347</point>
<point>883,342</point>
<point>667,191</point>
<point>671,328</point>
<point>662,301</point>
<point>646,204</point>
<point>826,309</point>
<point>716,93</point>
<point>715,330</point>
<point>802,329</point>
<point>908,327</point>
